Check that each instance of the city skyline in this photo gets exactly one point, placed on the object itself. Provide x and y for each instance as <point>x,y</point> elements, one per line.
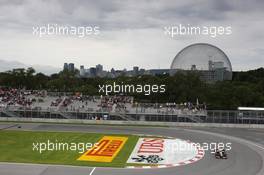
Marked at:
<point>130,33</point>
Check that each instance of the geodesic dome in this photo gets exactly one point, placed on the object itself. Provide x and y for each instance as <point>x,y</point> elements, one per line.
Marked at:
<point>202,57</point>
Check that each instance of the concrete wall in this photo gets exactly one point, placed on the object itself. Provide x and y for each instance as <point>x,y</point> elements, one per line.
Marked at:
<point>138,123</point>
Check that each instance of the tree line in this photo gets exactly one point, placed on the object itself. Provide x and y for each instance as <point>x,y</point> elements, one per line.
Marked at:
<point>246,88</point>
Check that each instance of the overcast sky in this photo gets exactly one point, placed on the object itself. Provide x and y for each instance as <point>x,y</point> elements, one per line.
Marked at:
<point>131,32</point>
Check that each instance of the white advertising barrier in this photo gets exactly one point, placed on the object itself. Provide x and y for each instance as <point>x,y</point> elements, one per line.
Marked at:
<point>161,151</point>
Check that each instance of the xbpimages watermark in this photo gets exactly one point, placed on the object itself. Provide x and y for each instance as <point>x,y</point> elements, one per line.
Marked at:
<point>80,147</point>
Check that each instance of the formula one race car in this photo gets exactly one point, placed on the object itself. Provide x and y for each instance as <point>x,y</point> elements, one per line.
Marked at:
<point>220,154</point>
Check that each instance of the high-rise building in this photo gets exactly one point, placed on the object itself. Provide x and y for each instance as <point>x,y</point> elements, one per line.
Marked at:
<point>135,70</point>
<point>210,65</point>
<point>82,71</point>
<point>99,68</point>
<point>92,71</point>
<point>71,67</point>
<point>213,65</point>
<point>218,65</point>
<point>193,67</point>
<point>65,66</point>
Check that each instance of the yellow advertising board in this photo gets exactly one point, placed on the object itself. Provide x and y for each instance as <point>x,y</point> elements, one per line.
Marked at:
<point>105,150</point>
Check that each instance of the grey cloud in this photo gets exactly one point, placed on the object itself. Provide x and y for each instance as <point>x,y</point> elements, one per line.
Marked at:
<point>115,17</point>
<point>117,14</point>
<point>111,14</point>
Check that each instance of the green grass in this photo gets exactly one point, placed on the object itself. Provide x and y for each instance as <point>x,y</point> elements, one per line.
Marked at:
<point>17,146</point>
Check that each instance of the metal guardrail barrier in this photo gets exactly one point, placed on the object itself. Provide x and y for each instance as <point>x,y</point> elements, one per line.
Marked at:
<point>209,116</point>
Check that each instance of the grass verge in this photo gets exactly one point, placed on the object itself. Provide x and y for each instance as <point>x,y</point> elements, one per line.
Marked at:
<point>17,146</point>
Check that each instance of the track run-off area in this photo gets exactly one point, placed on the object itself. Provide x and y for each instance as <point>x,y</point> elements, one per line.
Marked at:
<point>245,158</point>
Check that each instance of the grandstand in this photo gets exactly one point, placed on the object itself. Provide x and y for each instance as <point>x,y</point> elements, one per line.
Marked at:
<point>43,104</point>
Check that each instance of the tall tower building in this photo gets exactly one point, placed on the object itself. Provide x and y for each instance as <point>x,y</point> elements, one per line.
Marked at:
<point>82,71</point>
<point>71,67</point>
<point>65,66</point>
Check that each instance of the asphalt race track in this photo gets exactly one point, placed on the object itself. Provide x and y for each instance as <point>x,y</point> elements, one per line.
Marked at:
<point>245,158</point>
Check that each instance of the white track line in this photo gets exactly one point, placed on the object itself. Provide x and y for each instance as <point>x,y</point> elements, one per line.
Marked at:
<point>92,171</point>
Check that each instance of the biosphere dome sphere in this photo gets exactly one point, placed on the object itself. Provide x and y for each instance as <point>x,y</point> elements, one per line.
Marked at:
<point>211,61</point>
